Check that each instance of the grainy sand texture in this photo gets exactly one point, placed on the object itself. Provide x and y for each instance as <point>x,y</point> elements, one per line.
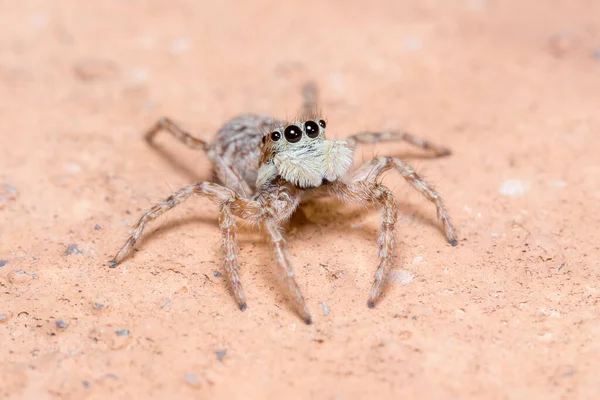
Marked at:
<point>512,87</point>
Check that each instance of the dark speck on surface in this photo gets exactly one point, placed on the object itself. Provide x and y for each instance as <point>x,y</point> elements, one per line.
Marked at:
<point>216,274</point>
<point>86,384</point>
<point>3,263</point>
<point>221,354</point>
<point>99,306</point>
<point>72,249</point>
<point>97,227</point>
<point>122,332</point>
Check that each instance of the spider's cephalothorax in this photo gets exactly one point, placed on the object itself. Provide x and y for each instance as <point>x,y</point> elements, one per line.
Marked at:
<point>264,168</point>
<point>300,154</point>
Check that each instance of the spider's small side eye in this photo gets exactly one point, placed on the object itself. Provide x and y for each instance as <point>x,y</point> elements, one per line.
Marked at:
<point>312,129</point>
<point>322,123</point>
<point>264,139</point>
<point>275,136</point>
<point>292,134</point>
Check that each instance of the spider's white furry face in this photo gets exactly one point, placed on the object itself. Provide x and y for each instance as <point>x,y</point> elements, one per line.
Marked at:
<point>300,154</point>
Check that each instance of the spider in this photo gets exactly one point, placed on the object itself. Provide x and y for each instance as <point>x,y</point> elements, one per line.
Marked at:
<point>264,168</point>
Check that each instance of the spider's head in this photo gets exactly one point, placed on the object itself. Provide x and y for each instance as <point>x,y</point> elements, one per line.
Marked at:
<point>299,153</point>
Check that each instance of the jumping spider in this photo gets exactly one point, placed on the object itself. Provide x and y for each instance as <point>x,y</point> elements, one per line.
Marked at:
<point>264,168</point>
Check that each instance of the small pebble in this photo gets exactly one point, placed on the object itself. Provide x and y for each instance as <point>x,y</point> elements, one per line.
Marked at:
<point>325,308</point>
<point>120,340</point>
<point>216,274</point>
<point>4,317</point>
<point>412,44</point>
<point>417,259</point>
<point>514,188</point>
<point>166,303</point>
<point>221,354</point>
<point>86,384</point>
<point>405,335</point>
<point>563,43</point>
<point>139,77</point>
<point>8,192</point>
<point>20,276</point>
<point>401,276</point>
<point>60,324</point>
<point>97,227</point>
<point>181,290</point>
<point>180,45</point>
<point>192,379</point>
<point>96,70</point>
<point>558,184</point>
<point>98,306</point>
<point>3,263</point>
<point>72,249</point>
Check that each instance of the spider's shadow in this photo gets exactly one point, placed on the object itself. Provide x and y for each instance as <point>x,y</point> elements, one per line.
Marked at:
<point>176,163</point>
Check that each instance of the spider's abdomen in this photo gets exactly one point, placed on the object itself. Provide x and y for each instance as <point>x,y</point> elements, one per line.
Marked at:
<point>238,144</point>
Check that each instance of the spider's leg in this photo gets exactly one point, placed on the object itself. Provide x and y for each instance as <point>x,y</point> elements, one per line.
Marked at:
<point>373,192</point>
<point>224,172</point>
<point>363,187</point>
<point>310,97</point>
<point>371,170</point>
<point>230,204</point>
<point>283,260</point>
<point>178,133</point>
<point>397,136</point>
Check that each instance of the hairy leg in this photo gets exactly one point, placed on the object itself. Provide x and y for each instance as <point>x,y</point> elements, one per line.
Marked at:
<point>373,192</point>
<point>229,244</point>
<point>310,98</point>
<point>397,136</point>
<point>370,171</point>
<point>230,205</point>
<point>174,129</point>
<point>224,172</point>
<point>283,260</point>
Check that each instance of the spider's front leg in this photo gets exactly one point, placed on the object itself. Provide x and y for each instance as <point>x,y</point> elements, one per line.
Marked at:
<point>230,205</point>
<point>288,275</point>
<point>370,171</point>
<point>276,209</point>
<point>364,188</point>
<point>373,192</point>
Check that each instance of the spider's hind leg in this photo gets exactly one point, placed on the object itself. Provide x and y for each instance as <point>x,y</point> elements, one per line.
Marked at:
<point>178,133</point>
<point>397,136</point>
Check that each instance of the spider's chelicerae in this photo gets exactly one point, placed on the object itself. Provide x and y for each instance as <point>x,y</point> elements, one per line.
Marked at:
<point>265,168</point>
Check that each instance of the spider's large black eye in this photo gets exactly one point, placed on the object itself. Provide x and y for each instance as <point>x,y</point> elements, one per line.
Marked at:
<point>322,123</point>
<point>275,136</point>
<point>312,129</point>
<point>293,134</point>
